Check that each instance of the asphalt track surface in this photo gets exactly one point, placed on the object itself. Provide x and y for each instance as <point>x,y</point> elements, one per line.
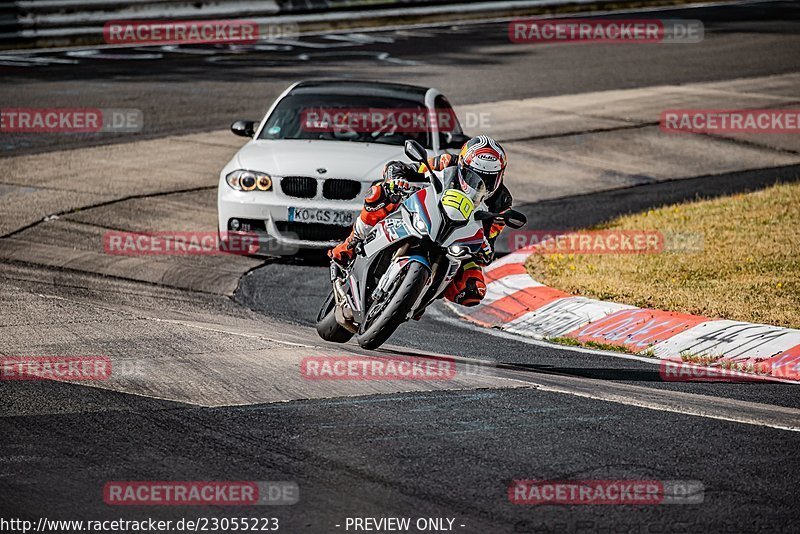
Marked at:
<point>435,454</point>
<point>187,88</point>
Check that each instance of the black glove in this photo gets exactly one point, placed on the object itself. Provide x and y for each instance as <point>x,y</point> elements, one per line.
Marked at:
<point>396,177</point>
<point>397,170</point>
<point>395,189</point>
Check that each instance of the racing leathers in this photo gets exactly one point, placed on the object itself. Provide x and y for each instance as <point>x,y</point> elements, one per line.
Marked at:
<point>468,287</point>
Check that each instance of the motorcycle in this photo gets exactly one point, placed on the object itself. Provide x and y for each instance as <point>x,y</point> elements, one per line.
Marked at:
<point>409,258</point>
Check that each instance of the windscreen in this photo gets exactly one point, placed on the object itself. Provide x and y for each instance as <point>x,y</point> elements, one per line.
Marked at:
<point>471,184</point>
<point>357,118</point>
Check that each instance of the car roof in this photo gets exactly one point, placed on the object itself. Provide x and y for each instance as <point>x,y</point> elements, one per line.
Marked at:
<point>360,87</point>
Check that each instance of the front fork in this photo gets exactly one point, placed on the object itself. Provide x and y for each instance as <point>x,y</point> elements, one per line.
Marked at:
<point>386,280</point>
<point>344,312</point>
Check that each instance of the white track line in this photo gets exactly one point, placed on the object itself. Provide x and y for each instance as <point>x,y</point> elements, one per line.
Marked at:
<point>719,408</point>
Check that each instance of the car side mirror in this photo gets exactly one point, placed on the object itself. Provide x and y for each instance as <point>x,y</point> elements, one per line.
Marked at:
<point>415,151</point>
<point>452,140</point>
<point>244,128</point>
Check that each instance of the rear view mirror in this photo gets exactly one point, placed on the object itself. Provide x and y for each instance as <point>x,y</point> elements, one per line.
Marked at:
<point>244,128</point>
<point>415,152</point>
<point>513,218</point>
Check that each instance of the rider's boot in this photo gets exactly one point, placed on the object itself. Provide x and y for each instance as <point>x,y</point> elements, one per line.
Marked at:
<point>345,252</point>
<point>376,208</point>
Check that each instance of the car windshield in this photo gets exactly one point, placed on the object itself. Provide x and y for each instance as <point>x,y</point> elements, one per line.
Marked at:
<point>358,118</point>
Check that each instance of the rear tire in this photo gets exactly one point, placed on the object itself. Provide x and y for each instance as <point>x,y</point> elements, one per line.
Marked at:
<point>398,308</point>
<point>327,327</point>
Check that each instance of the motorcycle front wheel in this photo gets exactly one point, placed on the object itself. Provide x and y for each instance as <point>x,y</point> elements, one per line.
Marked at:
<point>376,330</point>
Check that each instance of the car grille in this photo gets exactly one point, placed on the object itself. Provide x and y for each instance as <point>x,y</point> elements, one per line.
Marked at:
<point>299,186</point>
<point>313,231</point>
<point>332,189</point>
<point>337,189</point>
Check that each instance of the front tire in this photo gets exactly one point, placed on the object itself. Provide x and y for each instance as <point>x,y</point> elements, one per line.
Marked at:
<point>397,309</point>
<point>327,327</point>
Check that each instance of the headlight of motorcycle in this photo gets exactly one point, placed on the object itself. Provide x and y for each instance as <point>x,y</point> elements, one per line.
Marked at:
<point>458,252</point>
<point>243,180</point>
<point>419,224</point>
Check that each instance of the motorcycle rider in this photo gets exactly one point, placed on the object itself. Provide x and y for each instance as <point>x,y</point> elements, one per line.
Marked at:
<point>480,157</point>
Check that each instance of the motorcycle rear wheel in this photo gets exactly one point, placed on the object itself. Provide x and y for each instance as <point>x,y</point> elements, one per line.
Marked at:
<point>377,331</point>
<point>327,327</point>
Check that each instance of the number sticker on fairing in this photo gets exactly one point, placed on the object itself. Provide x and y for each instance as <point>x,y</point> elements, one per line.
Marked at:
<point>454,198</point>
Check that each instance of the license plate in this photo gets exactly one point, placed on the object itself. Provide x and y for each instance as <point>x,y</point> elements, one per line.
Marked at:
<point>324,216</point>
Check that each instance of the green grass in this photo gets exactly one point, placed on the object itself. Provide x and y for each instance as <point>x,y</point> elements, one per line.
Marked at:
<point>747,267</point>
<point>589,344</point>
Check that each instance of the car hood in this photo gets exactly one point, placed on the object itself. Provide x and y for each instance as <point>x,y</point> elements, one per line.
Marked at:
<point>341,159</point>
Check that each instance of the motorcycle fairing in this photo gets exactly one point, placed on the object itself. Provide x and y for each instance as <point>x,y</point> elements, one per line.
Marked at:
<point>419,208</point>
<point>395,228</point>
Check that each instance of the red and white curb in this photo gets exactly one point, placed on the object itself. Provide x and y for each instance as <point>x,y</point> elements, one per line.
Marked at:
<point>519,305</point>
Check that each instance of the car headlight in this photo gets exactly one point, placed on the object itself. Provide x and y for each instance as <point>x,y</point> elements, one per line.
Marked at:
<point>243,180</point>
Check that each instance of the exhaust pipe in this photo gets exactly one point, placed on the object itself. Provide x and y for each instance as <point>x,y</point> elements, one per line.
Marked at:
<point>342,312</point>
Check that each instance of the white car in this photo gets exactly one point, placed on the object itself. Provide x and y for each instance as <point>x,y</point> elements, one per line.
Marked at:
<point>300,185</point>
